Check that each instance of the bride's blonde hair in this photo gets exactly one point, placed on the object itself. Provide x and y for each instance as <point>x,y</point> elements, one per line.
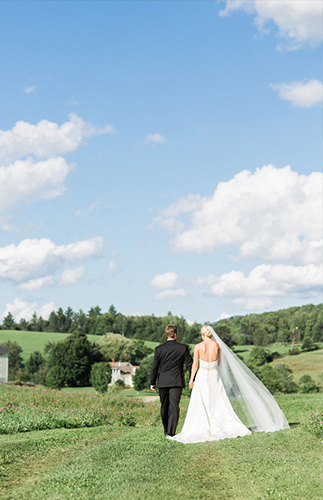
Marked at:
<point>206,330</point>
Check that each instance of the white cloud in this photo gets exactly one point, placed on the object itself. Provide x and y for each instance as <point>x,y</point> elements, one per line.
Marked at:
<point>223,316</point>
<point>36,284</point>
<point>46,138</point>
<point>305,94</point>
<point>23,177</point>
<point>265,283</point>
<point>272,215</point>
<point>298,22</point>
<point>71,276</point>
<point>78,213</point>
<point>154,139</point>
<point>23,309</point>
<point>32,259</point>
<point>112,268</point>
<point>179,293</point>
<point>27,181</point>
<point>29,90</point>
<point>94,205</point>
<point>166,280</point>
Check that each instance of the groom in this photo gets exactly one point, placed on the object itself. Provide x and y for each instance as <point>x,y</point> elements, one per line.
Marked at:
<point>169,359</point>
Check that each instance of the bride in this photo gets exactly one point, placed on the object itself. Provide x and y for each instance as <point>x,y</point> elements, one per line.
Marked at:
<point>225,388</point>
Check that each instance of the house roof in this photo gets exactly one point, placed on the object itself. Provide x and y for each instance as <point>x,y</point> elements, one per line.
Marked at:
<point>125,368</point>
<point>2,349</point>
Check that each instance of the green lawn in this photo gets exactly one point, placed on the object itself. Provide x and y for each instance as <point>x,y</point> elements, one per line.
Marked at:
<point>309,363</point>
<point>104,463</point>
<point>130,393</point>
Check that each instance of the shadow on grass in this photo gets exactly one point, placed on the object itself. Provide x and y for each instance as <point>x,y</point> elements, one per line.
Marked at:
<point>293,424</point>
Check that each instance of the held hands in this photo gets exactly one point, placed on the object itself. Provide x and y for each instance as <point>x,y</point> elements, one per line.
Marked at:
<point>153,388</point>
<point>191,384</point>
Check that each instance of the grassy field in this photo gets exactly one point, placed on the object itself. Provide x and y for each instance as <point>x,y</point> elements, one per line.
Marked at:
<point>310,363</point>
<point>36,341</point>
<point>130,393</point>
<point>106,462</point>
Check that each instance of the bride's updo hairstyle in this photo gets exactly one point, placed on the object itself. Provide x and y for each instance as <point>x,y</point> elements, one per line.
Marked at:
<point>206,330</point>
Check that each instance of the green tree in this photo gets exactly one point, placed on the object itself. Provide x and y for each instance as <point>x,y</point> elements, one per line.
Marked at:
<point>101,375</point>
<point>74,356</point>
<point>15,359</point>
<point>115,346</point>
<point>270,378</point>
<point>308,344</point>
<point>8,322</point>
<point>318,330</point>
<point>138,351</point>
<point>224,333</point>
<point>52,322</point>
<point>141,378</point>
<point>112,310</point>
<point>35,361</point>
<point>259,356</point>
<point>307,385</point>
<point>56,378</point>
<point>288,383</point>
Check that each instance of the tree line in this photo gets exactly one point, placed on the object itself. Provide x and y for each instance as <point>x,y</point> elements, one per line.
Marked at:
<point>283,326</point>
<point>70,362</point>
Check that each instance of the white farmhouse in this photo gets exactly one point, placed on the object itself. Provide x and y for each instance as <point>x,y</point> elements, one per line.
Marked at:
<point>122,371</point>
<point>4,360</point>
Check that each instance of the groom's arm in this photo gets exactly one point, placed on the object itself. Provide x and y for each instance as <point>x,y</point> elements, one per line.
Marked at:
<point>154,371</point>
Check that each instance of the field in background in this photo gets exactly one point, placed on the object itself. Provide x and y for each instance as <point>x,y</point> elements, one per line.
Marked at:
<point>36,341</point>
<point>310,363</point>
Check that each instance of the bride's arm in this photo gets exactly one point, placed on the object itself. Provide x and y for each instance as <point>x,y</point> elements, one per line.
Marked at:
<point>194,366</point>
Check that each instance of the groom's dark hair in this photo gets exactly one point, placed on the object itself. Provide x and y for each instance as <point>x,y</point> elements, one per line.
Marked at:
<point>171,331</point>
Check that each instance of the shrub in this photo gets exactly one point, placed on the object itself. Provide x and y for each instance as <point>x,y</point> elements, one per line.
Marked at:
<point>115,389</point>
<point>140,379</point>
<point>120,382</point>
<point>259,356</point>
<point>308,385</point>
<point>314,424</point>
<point>270,378</point>
<point>293,352</point>
<point>55,378</point>
<point>308,344</point>
<point>286,376</point>
<point>101,375</point>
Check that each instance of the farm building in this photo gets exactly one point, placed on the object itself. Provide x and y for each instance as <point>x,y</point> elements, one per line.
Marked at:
<point>123,371</point>
<point>4,360</point>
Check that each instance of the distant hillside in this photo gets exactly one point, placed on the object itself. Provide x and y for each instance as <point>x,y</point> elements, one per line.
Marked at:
<point>36,341</point>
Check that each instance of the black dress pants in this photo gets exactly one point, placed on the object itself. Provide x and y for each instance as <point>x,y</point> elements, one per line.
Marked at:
<point>169,411</point>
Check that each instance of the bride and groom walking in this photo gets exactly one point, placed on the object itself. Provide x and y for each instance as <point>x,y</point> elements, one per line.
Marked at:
<point>223,388</point>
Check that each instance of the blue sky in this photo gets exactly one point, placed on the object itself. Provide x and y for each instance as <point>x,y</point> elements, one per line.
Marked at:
<point>160,156</point>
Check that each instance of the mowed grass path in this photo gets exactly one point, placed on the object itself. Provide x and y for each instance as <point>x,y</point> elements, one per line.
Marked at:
<point>139,463</point>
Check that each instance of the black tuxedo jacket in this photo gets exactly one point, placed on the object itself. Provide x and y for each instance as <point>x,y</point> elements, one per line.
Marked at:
<point>169,359</point>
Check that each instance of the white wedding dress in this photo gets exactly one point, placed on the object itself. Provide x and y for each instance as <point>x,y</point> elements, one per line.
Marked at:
<point>210,416</point>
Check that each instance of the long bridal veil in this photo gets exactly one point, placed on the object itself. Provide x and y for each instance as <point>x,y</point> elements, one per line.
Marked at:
<point>252,402</point>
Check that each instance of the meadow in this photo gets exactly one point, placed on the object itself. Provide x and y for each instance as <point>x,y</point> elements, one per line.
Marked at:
<point>137,462</point>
